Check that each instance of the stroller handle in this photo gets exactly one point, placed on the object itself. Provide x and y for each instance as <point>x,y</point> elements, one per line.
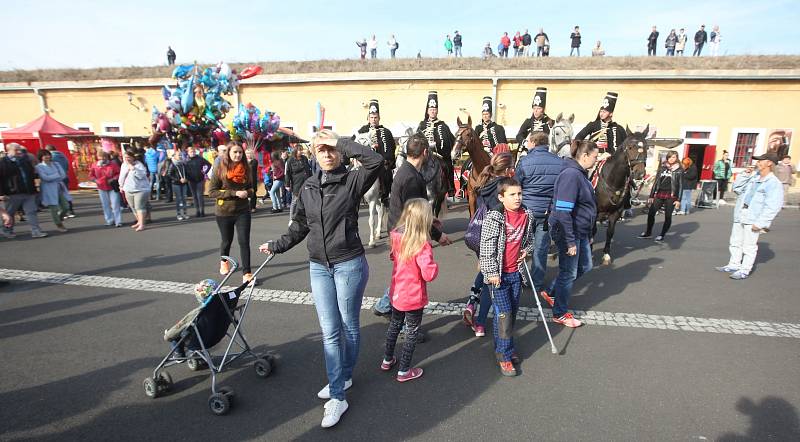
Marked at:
<point>231,262</point>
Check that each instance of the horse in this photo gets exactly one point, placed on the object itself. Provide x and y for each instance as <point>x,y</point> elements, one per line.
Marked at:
<point>614,182</point>
<point>561,134</point>
<point>432,172</point>
<point>467,137</point>
<point>377,211</point>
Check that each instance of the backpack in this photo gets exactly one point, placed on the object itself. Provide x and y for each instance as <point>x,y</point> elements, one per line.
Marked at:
<point>472,237</point>
<point>396,45</point>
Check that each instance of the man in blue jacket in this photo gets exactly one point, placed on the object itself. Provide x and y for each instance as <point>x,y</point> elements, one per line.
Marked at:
<point>537,173</point>
<point>760,199</point>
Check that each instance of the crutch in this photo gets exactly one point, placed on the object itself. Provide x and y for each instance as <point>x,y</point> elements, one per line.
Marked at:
<point>553,348</point>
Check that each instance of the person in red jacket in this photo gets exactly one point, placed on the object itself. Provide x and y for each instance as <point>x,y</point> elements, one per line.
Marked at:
<point>505,42</point>
<point>105,174</point>
<point>413,268</point>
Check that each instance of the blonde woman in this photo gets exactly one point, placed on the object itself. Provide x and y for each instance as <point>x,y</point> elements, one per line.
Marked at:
<point>337,266</point>
<point>413,268</point>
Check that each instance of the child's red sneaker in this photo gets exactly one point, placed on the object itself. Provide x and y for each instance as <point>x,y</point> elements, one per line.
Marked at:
<point>409,375</point>
<point>387,365</point>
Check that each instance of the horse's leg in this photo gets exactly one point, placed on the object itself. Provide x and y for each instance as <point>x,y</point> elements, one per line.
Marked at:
<point>372,220</point>
<point>612,223</point>
<point>379,223</point>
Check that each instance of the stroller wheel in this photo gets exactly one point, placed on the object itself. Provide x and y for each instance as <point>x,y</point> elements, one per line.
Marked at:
<point>150,388</point>
<point>227,392</point>
<point>263,367</point>
<point>219,404</point>
<point>164,381</point>
<point>195,364</point>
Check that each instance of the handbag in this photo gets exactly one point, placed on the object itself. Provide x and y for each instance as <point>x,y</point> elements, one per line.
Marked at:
<point>472,237</point>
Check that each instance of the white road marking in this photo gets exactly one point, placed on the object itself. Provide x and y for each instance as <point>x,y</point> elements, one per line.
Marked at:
<point>612,319</point>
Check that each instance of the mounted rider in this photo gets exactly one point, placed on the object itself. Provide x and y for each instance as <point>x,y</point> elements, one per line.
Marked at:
<point>490,133</point>
<point>440,138</point>
<point>382,141</point>
<point>606,133</point>
<point>538,122</point>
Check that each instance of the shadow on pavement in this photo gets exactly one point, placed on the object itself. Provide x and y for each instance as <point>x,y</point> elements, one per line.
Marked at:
<point>772,418</point>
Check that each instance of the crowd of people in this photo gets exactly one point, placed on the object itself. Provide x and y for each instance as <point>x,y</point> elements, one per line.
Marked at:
<point>524,44</point>
<point>523,209</point>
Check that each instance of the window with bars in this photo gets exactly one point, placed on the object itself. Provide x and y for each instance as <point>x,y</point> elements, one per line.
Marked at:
<point>743,151</point>
<point>698,135</point>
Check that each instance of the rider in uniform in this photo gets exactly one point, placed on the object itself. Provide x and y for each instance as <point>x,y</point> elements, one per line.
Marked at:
<point>439,136</point>
<point>538,122</point>
<point>490,133</point>
<point>382,141</point>
<point>606,133</point>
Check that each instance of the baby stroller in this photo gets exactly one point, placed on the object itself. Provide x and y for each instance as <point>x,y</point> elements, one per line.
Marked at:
<point>203,328</point>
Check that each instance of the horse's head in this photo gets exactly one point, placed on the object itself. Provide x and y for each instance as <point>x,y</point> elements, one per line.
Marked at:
<point>464,136</point>
<point>634,148</point>
<point>561,133</point>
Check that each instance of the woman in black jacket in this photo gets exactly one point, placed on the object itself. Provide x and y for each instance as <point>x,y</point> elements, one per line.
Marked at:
<point>666,193</point>
<point>297,172</point>
<point>327,212</point>
<point>196,170</point>
<point>689,184</point>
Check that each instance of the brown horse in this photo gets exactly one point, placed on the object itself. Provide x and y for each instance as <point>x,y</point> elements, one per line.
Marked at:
<point>467,137</point>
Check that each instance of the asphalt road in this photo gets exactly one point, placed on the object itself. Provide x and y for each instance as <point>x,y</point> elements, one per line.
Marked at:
<point>74,356</point>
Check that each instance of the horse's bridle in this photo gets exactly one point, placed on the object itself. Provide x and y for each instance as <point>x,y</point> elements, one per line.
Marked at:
<point>563,143</point>
<point>459,132</point>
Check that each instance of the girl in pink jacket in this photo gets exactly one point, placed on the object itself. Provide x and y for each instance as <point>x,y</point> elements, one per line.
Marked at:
<point>413,268</point>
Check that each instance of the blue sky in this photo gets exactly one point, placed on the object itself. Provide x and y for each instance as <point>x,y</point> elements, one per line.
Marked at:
<point>92,33</point>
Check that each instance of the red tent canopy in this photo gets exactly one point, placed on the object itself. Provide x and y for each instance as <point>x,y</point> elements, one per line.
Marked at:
<point>43,131</point>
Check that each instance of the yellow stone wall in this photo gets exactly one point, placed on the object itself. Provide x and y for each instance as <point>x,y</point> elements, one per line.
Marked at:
<point>722,105</point>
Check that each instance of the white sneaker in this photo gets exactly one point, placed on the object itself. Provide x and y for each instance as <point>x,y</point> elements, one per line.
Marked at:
<point>325,393</point>
<point>721,202</point>
<point>334,409</point>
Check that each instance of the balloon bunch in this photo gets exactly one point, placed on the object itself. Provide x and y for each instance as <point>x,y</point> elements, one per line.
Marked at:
<point>196,106</point>
<point>255,127</point>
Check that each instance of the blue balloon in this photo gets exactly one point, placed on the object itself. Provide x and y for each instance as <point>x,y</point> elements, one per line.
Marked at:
<point>182,71</point>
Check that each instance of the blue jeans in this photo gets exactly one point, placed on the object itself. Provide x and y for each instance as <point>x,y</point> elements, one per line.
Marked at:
<point>274,194</point>
<point>485,302</point>
<point>111,206</point>
<point>179,190</point>
<point>155,183</point>
<point>686,200</point>
<point>570,268</point>
<point>338,292</point>
<point>505,300</point>
<point>541,245</point>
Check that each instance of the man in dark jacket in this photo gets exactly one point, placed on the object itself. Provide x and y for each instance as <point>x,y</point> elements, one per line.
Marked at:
<point>298,170</point>
<point>606,133</point>
<point>490,133</point>
<point>575,37</point>
<point>457,44</point>
<point>408,184</point>
<point>652,40</point>
<point>700,39</point>
<point>541,40</point>
<point>526,44</point>
<point>381,141</point>
<point>538,122</point>
<point>439,136</point>
<point>170,56</point>
<point>18,189</point>
<point>196,169</point>
<point>537,173</point>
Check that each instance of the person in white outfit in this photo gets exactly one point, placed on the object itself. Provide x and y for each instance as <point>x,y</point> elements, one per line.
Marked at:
<point>760,199</point>
<point>716,38</point>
